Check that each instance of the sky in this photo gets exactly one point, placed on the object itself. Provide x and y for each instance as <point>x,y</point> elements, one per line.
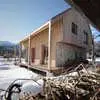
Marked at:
<point>18,18</point>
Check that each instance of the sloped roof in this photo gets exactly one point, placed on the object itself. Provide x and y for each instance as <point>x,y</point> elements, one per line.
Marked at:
<point>44,26</point>
<point>91,8</point>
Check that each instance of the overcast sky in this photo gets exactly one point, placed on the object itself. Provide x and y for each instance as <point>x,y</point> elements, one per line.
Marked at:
<point>20,17</point>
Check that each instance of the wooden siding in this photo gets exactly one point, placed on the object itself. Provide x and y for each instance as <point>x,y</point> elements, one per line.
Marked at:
<point>36,42</point>
<point>56,36</point>
<point>24,44</point>
<point>74,17</point>
<point>60,32</point>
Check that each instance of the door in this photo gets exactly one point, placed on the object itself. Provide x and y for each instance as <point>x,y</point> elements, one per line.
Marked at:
<point>44,54</point>
<point>33,55</point>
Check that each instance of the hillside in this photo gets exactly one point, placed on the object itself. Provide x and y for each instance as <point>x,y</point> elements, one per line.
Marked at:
<point>7,47</point>
<point>6,44</point>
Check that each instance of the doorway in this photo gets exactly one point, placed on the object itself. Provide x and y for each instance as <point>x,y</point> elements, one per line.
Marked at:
<point>33,55</point>
<point>44,54</point>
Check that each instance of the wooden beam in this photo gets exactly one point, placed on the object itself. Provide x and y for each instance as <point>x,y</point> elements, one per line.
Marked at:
<point>29,47</point>
<point>49,46</point>
<point>20,52</point>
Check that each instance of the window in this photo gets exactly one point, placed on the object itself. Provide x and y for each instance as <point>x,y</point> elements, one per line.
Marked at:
<point>74,28</point>
<point>85,37</point>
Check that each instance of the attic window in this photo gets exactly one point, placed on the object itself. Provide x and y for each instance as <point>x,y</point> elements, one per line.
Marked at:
<point>74,28</point>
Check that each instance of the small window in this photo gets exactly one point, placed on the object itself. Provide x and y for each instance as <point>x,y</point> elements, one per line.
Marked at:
<point>74,28</point>
<point>85,37</point>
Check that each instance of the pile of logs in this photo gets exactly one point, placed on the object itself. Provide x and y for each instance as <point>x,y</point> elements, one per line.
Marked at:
<point>78,85</point>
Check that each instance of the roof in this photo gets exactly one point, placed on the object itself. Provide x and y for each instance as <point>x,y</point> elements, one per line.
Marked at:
<point>44,26</point>
<point>91,9</point>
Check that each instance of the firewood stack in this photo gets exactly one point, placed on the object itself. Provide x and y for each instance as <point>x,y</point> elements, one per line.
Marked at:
<point>78,85</point>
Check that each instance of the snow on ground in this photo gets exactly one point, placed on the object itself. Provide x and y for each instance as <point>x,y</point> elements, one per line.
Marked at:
<point>10,72</point>
<point>16,72</point>
<point>23,61</point>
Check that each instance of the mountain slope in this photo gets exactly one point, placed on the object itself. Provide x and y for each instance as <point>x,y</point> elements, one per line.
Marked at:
<point>6,43</point>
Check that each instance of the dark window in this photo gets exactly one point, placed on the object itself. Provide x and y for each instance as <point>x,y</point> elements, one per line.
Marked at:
<point>74,28</point>
<point>85,37</point>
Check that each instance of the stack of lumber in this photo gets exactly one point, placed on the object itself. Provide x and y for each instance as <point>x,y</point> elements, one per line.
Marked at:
<point>78,85</point>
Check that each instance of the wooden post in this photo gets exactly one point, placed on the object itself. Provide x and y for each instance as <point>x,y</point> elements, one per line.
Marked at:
<point>49,46</point>
<point>29,45</point>
<point>20,52</point>
<point>15,53</point>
